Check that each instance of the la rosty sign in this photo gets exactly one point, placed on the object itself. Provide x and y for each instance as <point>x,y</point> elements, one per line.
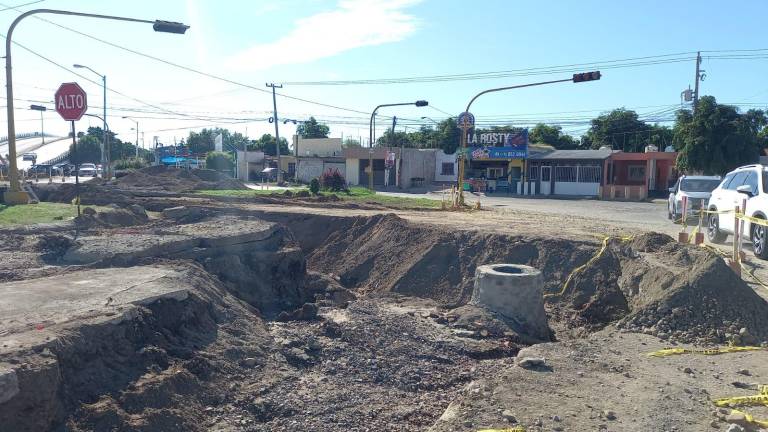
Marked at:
<point>71,101</point>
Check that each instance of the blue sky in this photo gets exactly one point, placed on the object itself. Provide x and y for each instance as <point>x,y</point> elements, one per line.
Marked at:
<point>293,41</point>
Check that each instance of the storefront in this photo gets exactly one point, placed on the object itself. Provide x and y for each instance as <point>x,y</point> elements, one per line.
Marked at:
<point>496,161</point>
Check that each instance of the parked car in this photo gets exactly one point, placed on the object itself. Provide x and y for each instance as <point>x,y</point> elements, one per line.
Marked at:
<point>66,169</point>
<point>41,170</point>
<point>696,189</point>
<point>748,182</point>
<point>87,170</point>
<point>29,157</point>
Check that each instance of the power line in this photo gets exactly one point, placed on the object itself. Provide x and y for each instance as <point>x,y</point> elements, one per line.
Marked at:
<point>187,68</point>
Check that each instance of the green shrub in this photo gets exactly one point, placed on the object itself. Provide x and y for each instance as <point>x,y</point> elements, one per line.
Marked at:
<point>314,186</point>
<point>333,181</point>
<point>132,163</point>
<point>219,161</point>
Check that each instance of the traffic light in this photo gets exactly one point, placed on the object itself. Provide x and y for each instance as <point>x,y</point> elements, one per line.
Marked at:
<point>421,103</point>
<point>170,27</point>
<point>586,76</point>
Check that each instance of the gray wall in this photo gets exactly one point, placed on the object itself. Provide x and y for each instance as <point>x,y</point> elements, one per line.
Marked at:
<point>417,163</point>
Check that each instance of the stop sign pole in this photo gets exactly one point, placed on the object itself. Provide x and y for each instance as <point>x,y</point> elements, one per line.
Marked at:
<point>14,194</point>
<point>71,103</point>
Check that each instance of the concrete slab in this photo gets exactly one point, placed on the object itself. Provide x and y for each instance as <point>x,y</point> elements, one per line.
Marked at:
<point>175,241</point>
<point>37,310</point>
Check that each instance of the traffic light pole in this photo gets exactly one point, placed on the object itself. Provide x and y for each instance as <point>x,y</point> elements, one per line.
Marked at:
<point>588,76</point>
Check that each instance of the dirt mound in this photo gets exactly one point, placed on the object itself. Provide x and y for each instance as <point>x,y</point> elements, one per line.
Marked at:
<point>656,286</point>
<point>177,179</point>
<point>385,253</point>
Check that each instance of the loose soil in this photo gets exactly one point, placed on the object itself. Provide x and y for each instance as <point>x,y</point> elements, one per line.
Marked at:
<point>387,340</point>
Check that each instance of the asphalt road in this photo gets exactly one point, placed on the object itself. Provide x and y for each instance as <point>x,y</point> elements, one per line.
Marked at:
<point>651,216</point>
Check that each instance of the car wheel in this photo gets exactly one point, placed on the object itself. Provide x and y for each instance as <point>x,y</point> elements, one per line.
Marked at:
<point>714,235</point>
<point>759,244</point>
<point>669,213</point>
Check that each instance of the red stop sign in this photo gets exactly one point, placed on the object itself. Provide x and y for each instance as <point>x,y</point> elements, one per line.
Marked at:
<point>71,101</point>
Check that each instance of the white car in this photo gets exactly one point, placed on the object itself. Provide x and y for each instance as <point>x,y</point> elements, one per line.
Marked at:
<point>87,170</point>
<point>696,189</point>
<point>748,183</point>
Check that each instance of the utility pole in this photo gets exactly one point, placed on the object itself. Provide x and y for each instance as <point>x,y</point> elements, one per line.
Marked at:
<point>698,77</point>
<point>277,132</point>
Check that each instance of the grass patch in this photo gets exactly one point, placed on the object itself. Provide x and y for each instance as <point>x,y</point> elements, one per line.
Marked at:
<point>355,194</point>
<point>244,193</point>
<point>45,212</point>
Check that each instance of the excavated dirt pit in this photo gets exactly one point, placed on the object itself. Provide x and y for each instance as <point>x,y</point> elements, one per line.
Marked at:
<point>238,321</point>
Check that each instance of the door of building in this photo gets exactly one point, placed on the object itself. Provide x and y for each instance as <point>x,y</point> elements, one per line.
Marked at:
<point>546,180</point>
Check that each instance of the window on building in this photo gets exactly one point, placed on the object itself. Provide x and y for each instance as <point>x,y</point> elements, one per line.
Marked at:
<point>533,173</point>
<point>565,174</point>
<point>291,168</point>
<point>545,173</point>
<point>636,173</point>
<point>590,174</point>
<point>494,173</point>
<point>447,168</point>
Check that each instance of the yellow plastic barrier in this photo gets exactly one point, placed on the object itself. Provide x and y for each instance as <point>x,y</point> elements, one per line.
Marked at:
<point>712,351</point>
<point>582,267</point>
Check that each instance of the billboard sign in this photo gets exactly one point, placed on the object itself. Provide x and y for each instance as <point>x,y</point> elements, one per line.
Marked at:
<point>498,145</point>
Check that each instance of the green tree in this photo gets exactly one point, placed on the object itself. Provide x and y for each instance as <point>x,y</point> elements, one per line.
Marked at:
<point>88,150</point>
<point>219,161</point>
<point>312,129</point>
<point>620,129</point>
<point>205,140</point>
<point>552,135</point>
<point>351,143</point>
<point>718,138</point>
<point>448,135</point>
<point>267,144</point>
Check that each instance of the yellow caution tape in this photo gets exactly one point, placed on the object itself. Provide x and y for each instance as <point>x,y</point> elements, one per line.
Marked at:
<point>751,219</point>
<point>582,267</point>
<point>514,429</point>
<point>712,351</point>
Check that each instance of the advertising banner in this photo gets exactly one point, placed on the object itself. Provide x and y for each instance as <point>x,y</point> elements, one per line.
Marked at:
<point>498,145</point>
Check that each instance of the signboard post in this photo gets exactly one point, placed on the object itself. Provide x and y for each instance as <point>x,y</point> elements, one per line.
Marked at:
<point>71,103</point>
<point>466,122</point>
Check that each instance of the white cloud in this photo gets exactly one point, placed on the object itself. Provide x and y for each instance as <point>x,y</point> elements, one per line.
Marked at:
<point>353,24</point>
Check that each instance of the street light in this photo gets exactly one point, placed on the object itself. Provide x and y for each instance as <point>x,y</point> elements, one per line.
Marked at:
<point>137,134</point>
<point>430,119</point>
<point>576,78</point>
<point>104,156</point>
<point>14,194</point>
<point>418,103</point>
<point>42,109</point>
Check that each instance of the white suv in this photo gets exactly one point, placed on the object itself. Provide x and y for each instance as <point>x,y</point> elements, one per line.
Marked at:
<point>696,190</point>
<point>748,182</point>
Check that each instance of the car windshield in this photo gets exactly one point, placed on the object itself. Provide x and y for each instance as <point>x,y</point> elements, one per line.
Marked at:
<point>87,166</point>
<point>699,185</point>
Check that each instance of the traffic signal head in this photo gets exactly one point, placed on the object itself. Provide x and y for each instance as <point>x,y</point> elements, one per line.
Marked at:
<point>169,27</point>
<point>586,76</point>
<point>421,103</point>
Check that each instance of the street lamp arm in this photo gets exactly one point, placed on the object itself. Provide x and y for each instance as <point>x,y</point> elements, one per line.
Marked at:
<point>100,118</point>
<point>86,67</point>
<point>513,87</point>
<point>14,192</point>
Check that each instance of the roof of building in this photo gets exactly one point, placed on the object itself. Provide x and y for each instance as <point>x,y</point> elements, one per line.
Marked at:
<point>575,154</point>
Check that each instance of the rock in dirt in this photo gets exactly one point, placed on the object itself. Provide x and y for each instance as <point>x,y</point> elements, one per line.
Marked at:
<point>9,385</point>
<point>735,428</point>
<point>176,212</point>
<point>531,362</point>
<point>509,416</point>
